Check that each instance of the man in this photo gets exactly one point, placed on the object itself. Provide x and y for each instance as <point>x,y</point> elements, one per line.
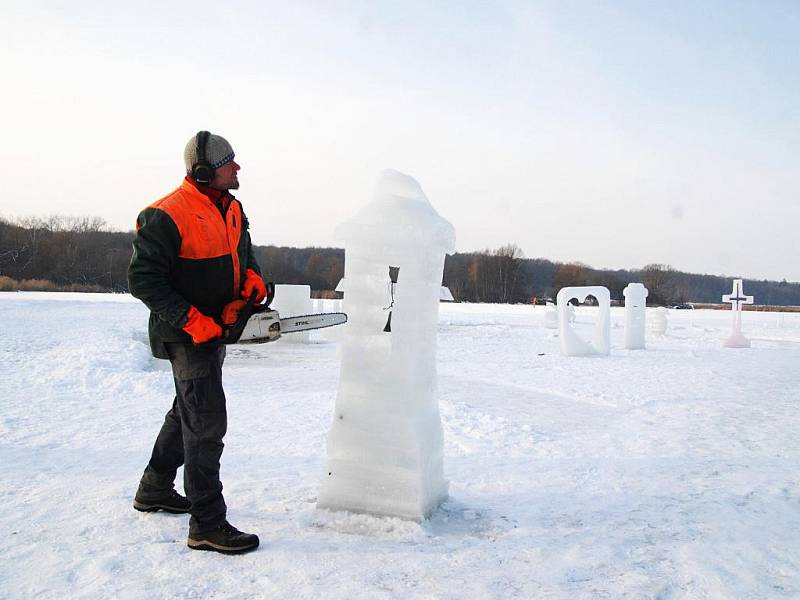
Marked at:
<point>192,257</point>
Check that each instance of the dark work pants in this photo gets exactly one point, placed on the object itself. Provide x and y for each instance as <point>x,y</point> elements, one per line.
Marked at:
<point>192,436</point>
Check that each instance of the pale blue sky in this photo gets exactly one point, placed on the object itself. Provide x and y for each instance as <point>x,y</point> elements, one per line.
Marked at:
<point>612,133</point>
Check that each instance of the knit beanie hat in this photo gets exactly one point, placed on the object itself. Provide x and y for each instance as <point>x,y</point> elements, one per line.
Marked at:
<point>218,152</point>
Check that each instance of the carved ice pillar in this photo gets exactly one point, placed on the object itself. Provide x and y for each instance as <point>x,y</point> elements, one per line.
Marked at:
<point>385,444</point>
<point>635,306</point>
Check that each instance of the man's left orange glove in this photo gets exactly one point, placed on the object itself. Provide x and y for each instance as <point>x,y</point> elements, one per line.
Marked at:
<point>201,327</point>
<point>254,283</point>
<point>230,313</point>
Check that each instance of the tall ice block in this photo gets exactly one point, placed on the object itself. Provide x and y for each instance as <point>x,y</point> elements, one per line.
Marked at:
<point>635,315</point>
<point>385,444</point>
<point>291,301</point>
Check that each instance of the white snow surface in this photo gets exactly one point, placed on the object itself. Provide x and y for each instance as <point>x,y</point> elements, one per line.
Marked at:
<point>670,472</point>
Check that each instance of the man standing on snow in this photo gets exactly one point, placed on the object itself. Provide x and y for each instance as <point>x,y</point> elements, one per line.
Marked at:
<point>191,257</point>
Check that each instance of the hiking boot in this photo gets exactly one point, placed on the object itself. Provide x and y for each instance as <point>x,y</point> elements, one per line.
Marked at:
<point>171,502</point>
<point>225,538</point>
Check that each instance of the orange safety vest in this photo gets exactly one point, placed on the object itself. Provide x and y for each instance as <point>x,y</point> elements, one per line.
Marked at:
<point>204,232</point>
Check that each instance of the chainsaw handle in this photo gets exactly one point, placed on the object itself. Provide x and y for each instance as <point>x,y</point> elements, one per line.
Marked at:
<point>270,285</point>
<point>232,334</point>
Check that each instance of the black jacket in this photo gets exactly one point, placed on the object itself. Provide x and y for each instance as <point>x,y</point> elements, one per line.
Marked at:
<point>192,247</point>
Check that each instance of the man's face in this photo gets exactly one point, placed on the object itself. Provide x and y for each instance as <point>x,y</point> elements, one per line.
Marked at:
<point>225,177</point>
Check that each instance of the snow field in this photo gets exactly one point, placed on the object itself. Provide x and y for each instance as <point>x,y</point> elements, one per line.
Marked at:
<point>670,472</point>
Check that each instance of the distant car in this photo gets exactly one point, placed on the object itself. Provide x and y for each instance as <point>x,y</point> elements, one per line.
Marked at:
<point>684,306</point>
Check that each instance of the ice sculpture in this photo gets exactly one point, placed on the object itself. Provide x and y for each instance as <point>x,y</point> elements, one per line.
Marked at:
<point>571,314</point>
<point>635,306</point>
<point>445,295</point>
<point>737,299</point>
<point>385,444</point>
<point>290,301</point>
<point>330,334</point>
<point>571,343</point>
<point>550,316</point>
<point>659,321</point>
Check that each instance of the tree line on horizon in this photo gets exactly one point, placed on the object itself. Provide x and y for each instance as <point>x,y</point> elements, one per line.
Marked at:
<point>83,254</point>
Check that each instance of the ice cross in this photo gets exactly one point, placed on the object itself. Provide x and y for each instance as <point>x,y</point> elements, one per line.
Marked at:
<point>736,298</point>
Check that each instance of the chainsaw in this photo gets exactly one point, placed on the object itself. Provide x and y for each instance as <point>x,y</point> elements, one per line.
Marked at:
<point>258,323</point>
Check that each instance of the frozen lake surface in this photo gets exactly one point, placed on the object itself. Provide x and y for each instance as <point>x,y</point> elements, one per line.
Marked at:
<point>670,472</point>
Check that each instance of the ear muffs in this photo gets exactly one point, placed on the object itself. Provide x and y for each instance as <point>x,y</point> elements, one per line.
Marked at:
<point>202,171</point>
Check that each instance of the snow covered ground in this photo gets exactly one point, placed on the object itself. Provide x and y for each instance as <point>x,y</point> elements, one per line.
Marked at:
<point>665,473</point>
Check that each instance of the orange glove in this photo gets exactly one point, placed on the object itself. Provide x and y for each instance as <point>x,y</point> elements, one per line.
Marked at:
<point>201,327</point>
<point>230,314</point>
<point>254,283</point>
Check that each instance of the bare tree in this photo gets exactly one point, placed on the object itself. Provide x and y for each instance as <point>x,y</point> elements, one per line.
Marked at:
<point>660,281</point>
<point>569,275</point>
<point>507,262</point>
